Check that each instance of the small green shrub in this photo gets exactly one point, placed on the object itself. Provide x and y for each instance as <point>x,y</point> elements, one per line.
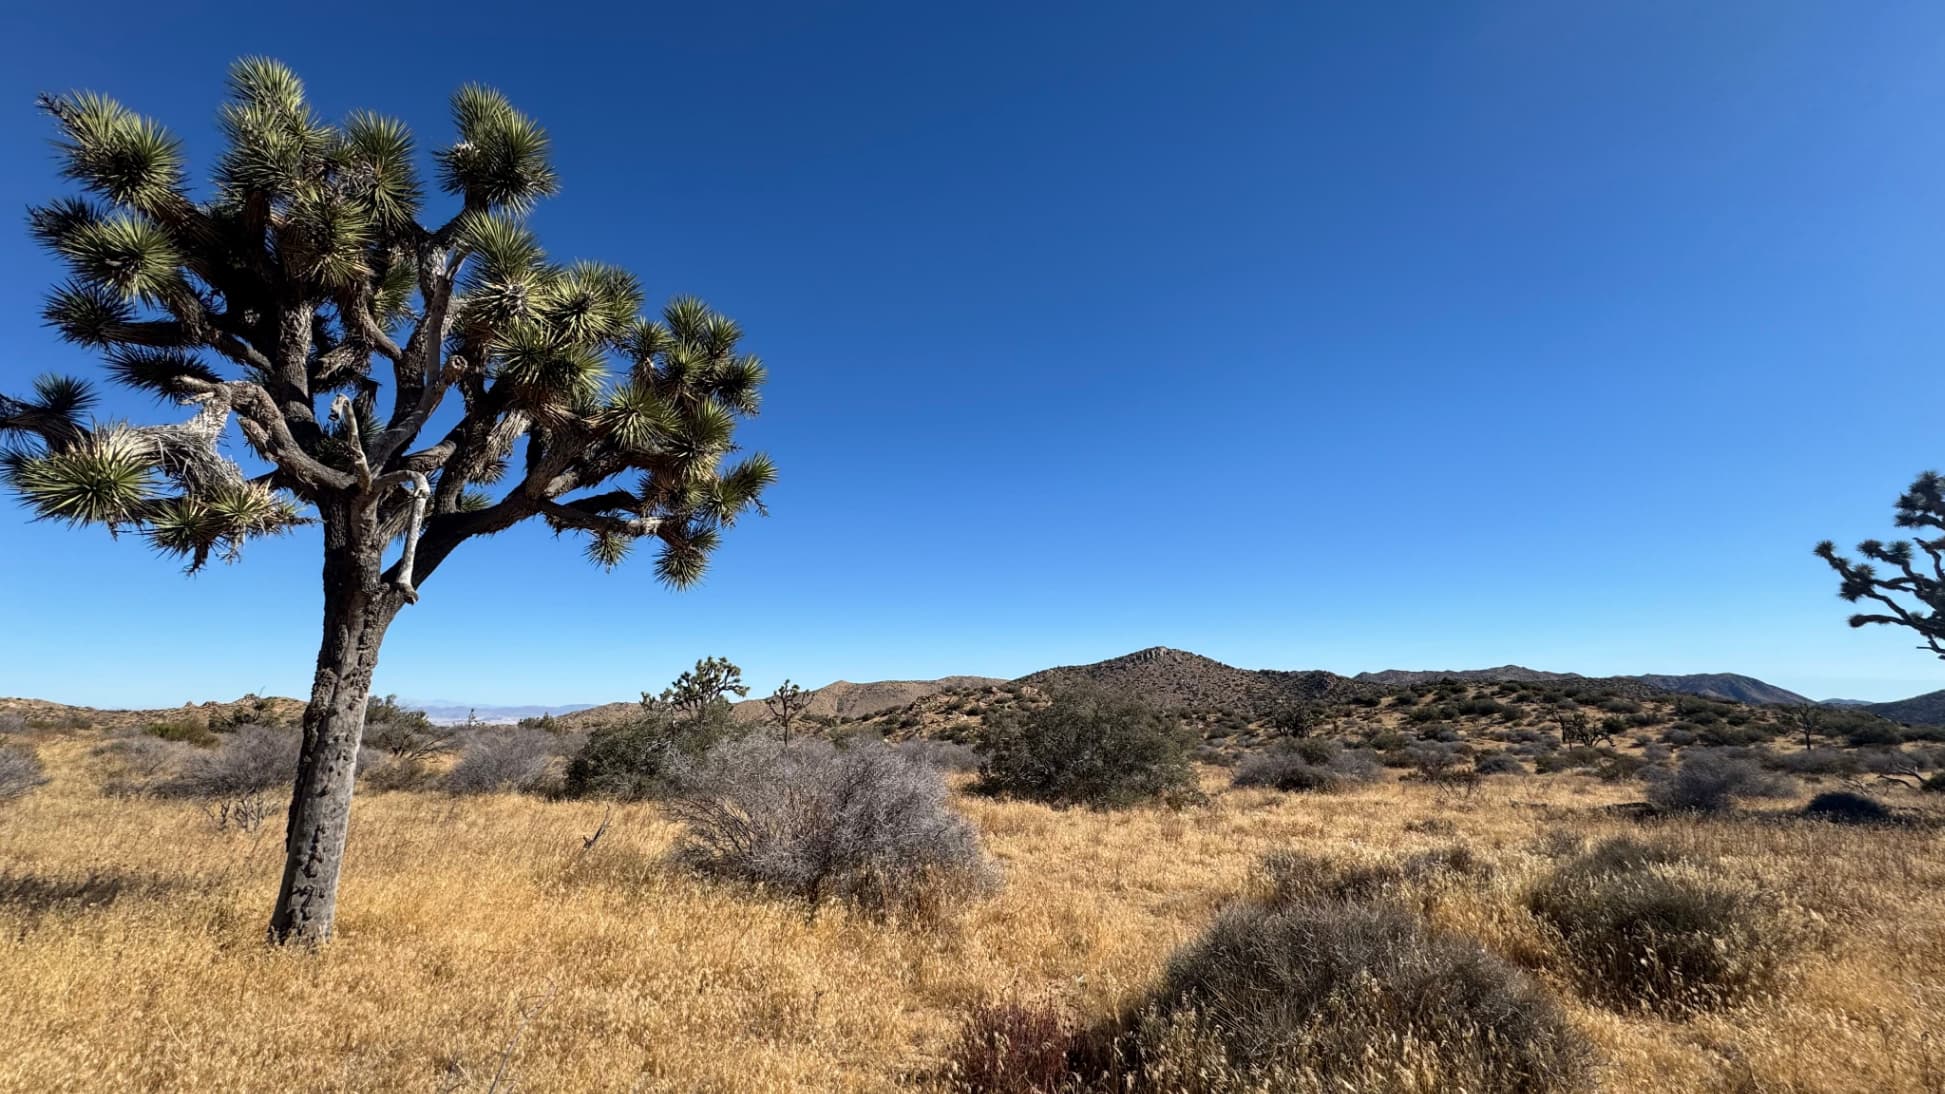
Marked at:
<point>1499,763</point>
<point>1845,807</point>
<point>1088,748</point>
<point>190,733</point>
<point>632,760</point>
<point>405,733</point>
<point>1874,733</point>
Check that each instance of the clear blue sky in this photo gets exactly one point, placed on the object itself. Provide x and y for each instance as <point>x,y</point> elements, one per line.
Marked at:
<point>1329,335</point>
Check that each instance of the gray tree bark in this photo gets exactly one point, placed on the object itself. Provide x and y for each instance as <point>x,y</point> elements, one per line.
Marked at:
<point>358,607</point>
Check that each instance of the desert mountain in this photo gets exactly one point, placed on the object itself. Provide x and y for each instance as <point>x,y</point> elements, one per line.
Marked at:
<point>1178,678</point>
<point>1725,685</point>
<point>40,712</point>
<point>1919,710</point>
<point>1710,685</point>
<point>845,699</point>
<point>1519,674</point>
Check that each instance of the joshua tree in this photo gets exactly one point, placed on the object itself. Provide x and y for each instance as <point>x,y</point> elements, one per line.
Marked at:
<point>302,296</point>
<point>704,690</point>
<point>1919,580</point>
<point>786,705</point>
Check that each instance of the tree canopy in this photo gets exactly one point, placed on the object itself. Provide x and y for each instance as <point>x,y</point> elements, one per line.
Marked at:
<point>1912,593</point>
<point>306,275</point>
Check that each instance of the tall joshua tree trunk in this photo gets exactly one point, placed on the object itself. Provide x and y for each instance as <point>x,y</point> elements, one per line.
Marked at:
<point>358,607</point>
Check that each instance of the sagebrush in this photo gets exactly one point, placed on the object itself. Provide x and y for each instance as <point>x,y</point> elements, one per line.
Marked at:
<point>864,824</point>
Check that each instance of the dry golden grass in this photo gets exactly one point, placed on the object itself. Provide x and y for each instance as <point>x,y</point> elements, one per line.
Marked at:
<point>479,947</point>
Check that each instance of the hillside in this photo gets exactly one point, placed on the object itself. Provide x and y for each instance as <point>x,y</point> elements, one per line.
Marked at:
<point>41,714</point>
<point>1919,710</point>
<point>1709,685</point>
<point>1178,678</point>
<point>1502,674</point>
<point>839,700</point>
<point>1725,685</point>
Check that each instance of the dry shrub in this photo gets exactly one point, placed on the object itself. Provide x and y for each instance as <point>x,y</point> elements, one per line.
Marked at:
<point>138,763</point>
<point>1500,763</point>
<point>944,755</point>
<point>1300,877</point>
<point>1643,928</point>
<point>1337,997</point>
<point>863,824</point>
<point>395,772</point>
<point>495,760</point>
<point>405,734</point>
<point>1712,781</point>
<point>1011,1046</point>
<point>20,772</point>
<point>1312,765</point>
<point>253,760</point>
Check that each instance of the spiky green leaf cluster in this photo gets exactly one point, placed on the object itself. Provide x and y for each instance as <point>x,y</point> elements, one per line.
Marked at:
<point>105,477</point>
<point>500,158</point>
<point>309,276</point>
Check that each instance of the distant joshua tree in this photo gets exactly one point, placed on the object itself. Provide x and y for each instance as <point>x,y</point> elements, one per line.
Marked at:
<point>786,705</point>
<point>1915,580</point>
<point>702,692</point>
<point>1576,728</point>
<point>302,296</point>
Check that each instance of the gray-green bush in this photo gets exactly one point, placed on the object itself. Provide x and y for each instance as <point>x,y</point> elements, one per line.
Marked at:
<point>494,760</point>
<point>1713,781</point>
<point>1314,764</point>
<point>862,824</point>
<point>253,760</point>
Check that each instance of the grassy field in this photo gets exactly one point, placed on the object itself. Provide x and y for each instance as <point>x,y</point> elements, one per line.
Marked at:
<point>481,947</point>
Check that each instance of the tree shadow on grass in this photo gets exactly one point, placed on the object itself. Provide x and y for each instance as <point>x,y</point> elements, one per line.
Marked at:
<point>33,896</point>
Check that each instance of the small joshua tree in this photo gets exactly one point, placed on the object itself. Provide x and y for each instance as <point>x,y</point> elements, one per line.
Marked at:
<point>701,694</point>
<point>1914,595</point>
<point>786,705</point>
<point>303,298</point>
